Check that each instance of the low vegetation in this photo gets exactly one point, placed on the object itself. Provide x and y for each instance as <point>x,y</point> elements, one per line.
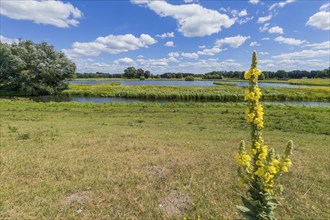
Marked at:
<point>150,161</point>
<point>196,93</point>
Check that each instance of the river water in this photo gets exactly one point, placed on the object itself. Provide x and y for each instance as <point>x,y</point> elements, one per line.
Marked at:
<point>179,83</point>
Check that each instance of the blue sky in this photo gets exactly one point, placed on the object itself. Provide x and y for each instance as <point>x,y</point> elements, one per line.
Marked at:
<point>170,36</point>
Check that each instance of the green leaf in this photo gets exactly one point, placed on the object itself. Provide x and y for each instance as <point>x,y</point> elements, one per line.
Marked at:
<point>247,213</point>
<point>248,204</point>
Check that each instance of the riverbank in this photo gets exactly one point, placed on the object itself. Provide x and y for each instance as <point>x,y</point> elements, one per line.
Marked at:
<point>83,160</point>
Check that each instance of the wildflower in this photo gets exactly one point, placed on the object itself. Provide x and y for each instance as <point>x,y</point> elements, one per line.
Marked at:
<point>247,75</point>
<point>246,157</point>
<point>249,117</point>
<point>260,172</point>
<point>272,169</point>
<point>287,163</point>
<point>267,177</point>
<point>259,163</point>
<point>275,162</point>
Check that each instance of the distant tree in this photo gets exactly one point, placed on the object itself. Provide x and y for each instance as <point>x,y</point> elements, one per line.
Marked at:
<point>139,73</point>
<point>147,74</point>
<point>281,74</point>
<point>130,73</point>
<point>34,69</point>
<point>179,76</point>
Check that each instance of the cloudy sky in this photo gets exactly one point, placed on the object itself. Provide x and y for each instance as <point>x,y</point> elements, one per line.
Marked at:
<point>175,35</point>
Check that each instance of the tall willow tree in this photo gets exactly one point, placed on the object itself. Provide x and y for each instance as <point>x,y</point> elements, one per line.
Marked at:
<point>34,68</point>
<point>259,167</point>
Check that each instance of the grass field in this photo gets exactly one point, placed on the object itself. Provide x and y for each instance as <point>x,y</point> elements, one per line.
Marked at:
<point>151,161</point>
<point>198,93</point>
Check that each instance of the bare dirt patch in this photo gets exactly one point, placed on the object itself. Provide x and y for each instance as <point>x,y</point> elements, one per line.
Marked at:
<point>77,198</point>
<point>158,171</point>
<point>175,203</point>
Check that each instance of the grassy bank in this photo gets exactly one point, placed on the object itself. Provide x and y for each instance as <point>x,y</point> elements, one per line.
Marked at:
<point>196,93</point>
<point>89,161</point>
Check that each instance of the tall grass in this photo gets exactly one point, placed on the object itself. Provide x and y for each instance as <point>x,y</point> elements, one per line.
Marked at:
<point>195,93</point>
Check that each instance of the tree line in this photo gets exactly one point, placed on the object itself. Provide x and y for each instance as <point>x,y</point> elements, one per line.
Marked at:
<point>132,73</point>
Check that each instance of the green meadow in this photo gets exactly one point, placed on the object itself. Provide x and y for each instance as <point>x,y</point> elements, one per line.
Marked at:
<point>151,161</point>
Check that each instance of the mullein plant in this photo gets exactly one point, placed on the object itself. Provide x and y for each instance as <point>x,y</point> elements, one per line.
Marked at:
<point>259,167</point>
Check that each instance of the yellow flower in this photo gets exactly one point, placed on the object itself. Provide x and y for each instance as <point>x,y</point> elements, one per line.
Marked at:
<point>284,169</point>
<point>246,157</point>
<point>263,155</point>
<point>267,177</point>
<point>259,163</point>
<point>249,117</point>
<point>275,162</point>
<point>247,75</point>
<point>267,190</point>
<point>264,148</point>
<point>238,159</point>
<point>260,172</point>
<point>259,122</point>
<point>287,163</point>
<point>251,150</point>
<point>272,169</point>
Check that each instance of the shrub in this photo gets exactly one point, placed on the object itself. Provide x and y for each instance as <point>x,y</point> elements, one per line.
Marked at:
<point>189,78</point>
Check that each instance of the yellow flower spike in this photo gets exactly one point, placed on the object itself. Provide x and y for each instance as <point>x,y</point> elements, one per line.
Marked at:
<point>261,168</point>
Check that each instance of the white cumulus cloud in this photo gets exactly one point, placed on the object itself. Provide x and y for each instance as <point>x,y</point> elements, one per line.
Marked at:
<point>254,1</point>
<point>193,20</point>
<point>320,20</point>
<point>234,42</point>
<point>264,19</point>
<point>210,52</point>
<point>254,44</point>
<point>126,61</point>
<point>322,45</point>
<point>303,54</point>
<point>190,55</point>
<point>54,13</point>
<point>165,35</point>
<point>276,30</point>
<point>169,44</point>
<point>112,44</point>
<point>290,41</point>
<point>6,40</point>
